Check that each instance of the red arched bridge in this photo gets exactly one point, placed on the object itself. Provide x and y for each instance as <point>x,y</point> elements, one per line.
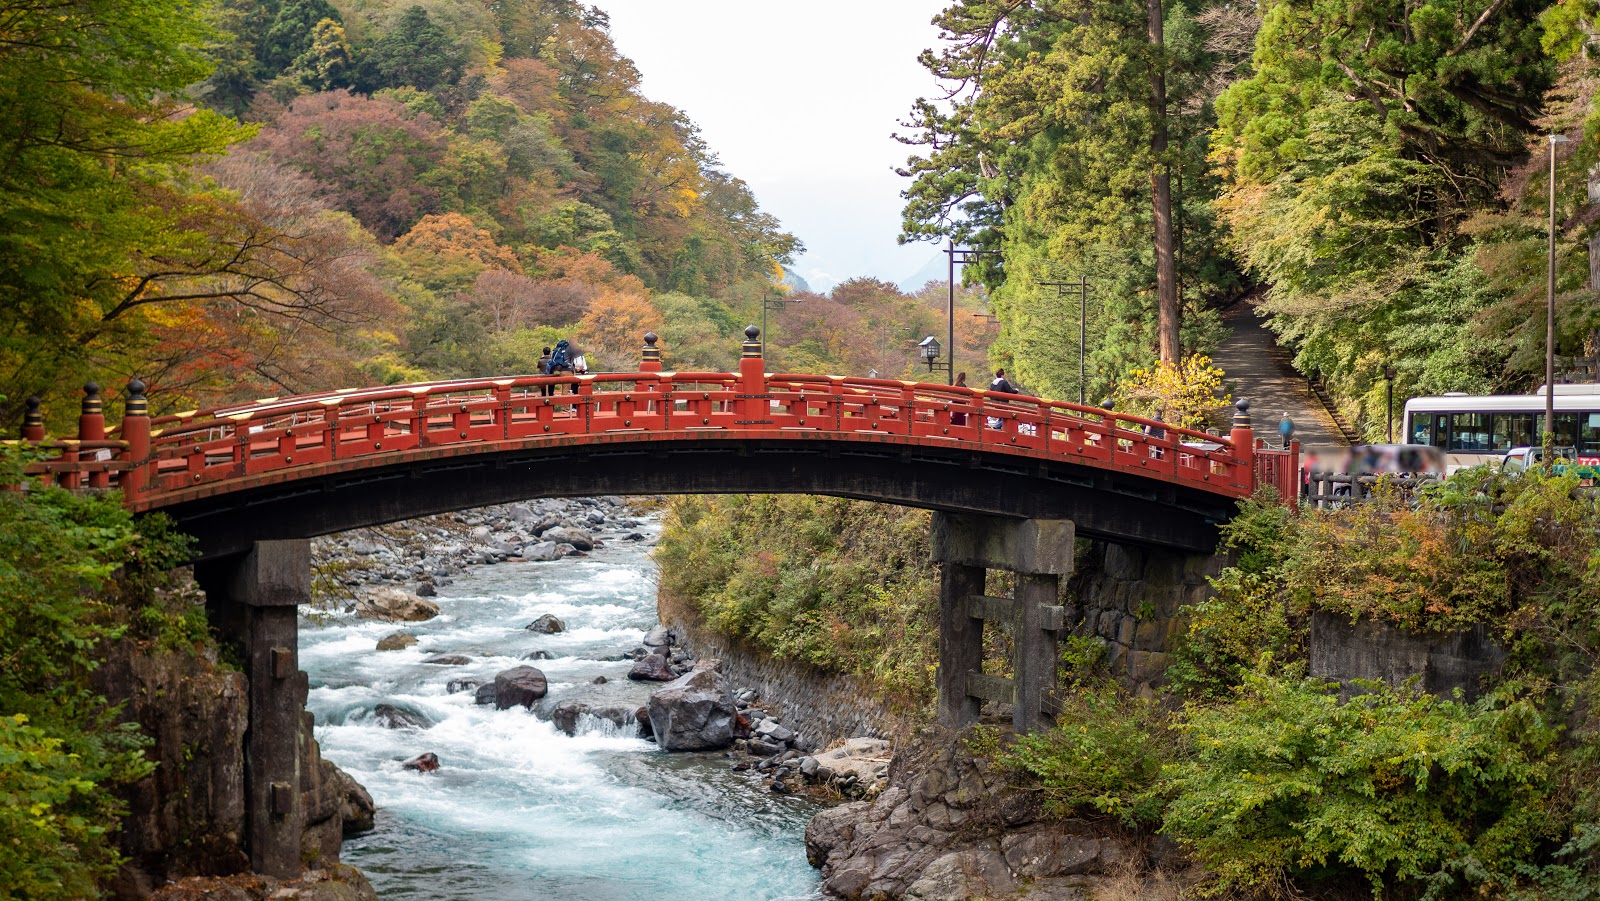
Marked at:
<point>297,467</point>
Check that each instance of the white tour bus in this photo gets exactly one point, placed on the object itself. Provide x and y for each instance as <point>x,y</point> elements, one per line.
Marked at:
<point>1476,430</point>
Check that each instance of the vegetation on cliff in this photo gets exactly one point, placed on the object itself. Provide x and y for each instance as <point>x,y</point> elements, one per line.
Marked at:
<point>840,584</point>
<point>1276,784</point>
<point>76,572</point>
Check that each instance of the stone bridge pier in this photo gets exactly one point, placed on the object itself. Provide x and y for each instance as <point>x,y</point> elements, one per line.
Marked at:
<point>253,602</point>
<point>1040,552</point>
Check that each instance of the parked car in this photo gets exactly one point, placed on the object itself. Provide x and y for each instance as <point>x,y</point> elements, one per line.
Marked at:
<point>1519,459</point>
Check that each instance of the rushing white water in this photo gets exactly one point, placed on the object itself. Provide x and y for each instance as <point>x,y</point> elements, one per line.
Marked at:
<point>518,809</point>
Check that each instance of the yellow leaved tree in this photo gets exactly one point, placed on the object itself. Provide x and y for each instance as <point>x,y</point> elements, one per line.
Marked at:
<point>1187,394</point>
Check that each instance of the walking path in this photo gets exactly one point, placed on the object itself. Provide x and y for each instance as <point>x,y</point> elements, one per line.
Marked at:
<point>1260,371</point>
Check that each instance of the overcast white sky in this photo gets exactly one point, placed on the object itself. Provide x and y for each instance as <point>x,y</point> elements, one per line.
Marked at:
<point>800,100</point>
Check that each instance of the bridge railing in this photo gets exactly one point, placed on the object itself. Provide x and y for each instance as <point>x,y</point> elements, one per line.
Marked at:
<point>157,460</point>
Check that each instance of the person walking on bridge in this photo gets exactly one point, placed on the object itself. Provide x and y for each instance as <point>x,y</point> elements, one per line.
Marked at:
<point>999,386</point>
<point>544,369</point>
<point>959,418</point>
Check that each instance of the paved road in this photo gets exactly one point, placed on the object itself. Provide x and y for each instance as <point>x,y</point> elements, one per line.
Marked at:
<point>1258,370</point>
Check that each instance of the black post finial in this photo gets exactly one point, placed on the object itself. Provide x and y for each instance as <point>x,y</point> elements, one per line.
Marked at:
<point>91,399</point>
<point>752,342</point>
<point>136,404</point>
<point>1241,415</point>
<point>33,417</point>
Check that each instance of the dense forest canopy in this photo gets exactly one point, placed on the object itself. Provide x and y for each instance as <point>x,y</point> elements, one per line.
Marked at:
<point>1371,175</point>
<point>273,197</point>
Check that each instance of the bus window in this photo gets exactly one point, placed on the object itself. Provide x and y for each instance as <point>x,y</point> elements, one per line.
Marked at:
<point>1513,430</point>
<point>1589,431</point>
<point>1422,429</point>
<point>1566,427</point>
<point>1470,432</point>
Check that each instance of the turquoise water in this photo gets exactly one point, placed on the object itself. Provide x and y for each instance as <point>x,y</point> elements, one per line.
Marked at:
<point>520,810</point>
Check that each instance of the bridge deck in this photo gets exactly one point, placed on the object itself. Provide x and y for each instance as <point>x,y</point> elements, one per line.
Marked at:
<point>232,457</point>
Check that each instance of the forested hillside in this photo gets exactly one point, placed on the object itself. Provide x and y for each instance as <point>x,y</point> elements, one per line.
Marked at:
<point>280,196</point>
<point>1373,174</point>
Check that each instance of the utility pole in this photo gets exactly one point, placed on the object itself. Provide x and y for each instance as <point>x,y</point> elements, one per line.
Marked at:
<point>1550,322</point>
<point>771,303</point>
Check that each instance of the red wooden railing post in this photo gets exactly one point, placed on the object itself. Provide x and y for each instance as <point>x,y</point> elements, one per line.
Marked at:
<point>1244,443</point>
<point>135,431</point>
<point>1294,476</point>
<point>753,404</point>
<point>651,358</point>
<point>33,421</point>
<point>92,427</point>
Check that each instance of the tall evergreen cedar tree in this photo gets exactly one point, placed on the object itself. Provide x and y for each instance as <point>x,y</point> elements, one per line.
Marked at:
<point>1371,175</point>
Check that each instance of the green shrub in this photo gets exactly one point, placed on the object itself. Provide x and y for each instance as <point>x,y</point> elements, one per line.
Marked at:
<point>1245,622</point>
<point>1103,757</point>
<point>1400,789</point>
<point>1480,548</point>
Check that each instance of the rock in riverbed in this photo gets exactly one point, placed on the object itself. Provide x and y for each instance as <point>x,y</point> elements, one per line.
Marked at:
<point>547,625</point>
<point>394,605</point>
<point>422,763</point>
<point>519,685</point>
<point>396,641</point>
<point>652,668</point>
<point>693,713</point>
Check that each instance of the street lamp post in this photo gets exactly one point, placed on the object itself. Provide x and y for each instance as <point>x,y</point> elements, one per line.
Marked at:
<point>1388,399</point>
<point>928,349</point>
<point>962,255</point>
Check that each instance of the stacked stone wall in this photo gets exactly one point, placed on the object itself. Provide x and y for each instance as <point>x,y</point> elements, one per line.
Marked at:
<point>1129,597</point>
<point>825,707</point>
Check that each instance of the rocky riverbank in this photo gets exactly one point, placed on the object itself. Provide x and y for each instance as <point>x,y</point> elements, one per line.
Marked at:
<point>950,828</point>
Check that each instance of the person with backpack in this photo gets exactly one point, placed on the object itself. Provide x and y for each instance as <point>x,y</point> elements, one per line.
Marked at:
<point>560,361</point>
<point>999,386</point>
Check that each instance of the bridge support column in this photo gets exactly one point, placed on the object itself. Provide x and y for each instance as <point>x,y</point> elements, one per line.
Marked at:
<point>1040,552</point>
<point>254,601</point>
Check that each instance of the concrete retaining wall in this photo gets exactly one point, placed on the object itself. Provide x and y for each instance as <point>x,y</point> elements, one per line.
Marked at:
<point>1343,651</point>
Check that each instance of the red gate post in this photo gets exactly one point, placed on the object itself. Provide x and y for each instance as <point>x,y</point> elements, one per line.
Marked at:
<point>754,406</point>
<point>1244,443</point>
<point>1295,476</point>
<point>92,427</point>
<point>136,432</point>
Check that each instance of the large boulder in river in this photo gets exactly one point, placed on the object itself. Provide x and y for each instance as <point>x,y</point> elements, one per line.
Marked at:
<point>547,625</point>
<point>652,668</point>
<point>567,714</point>
<point>693,713</point>
<point>578,538</point>
<point>391,717</point>
<point>519,685</point>
<point>396,641</point>
<point>394,605</point>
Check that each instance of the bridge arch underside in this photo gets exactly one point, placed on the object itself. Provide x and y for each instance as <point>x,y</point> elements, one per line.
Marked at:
<point>1123,508</point>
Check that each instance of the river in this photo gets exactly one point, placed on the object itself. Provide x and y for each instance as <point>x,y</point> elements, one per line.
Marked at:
<point>518,809</point>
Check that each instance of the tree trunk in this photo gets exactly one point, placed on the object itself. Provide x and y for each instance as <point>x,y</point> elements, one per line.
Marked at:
<point>1161,193</point>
